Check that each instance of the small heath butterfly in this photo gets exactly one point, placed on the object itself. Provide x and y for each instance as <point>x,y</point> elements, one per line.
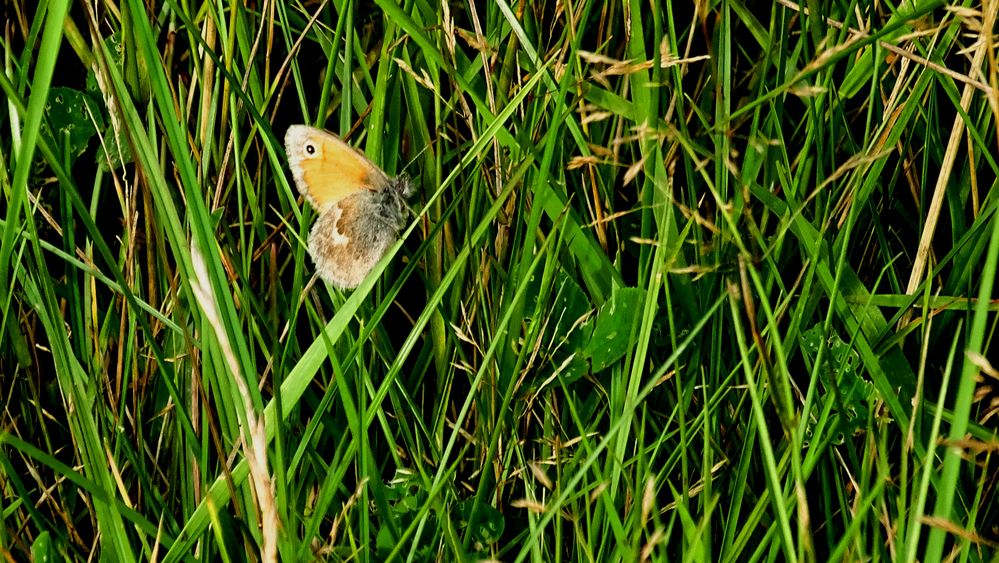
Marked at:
<point>361,209</point>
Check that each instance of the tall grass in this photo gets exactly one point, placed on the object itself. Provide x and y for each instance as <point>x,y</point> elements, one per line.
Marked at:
<point>681,282</point>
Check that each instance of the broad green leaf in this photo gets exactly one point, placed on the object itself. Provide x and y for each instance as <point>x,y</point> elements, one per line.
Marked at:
<point>612,327</point>
<point>71,115</point>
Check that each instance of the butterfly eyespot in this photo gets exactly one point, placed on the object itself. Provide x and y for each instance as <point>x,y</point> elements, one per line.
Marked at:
<point>310,149</point>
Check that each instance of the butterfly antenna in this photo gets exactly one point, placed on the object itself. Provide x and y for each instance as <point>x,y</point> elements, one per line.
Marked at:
<point>414,159</point>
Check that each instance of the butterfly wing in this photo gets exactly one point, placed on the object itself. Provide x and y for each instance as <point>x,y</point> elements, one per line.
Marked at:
<point>327,169</point>
<point>349,238</point>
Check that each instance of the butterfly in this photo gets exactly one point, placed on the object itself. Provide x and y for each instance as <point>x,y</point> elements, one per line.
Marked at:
<point>361,209</point>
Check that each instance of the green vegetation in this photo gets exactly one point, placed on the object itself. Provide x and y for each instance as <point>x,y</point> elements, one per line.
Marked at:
<point>683,281</point>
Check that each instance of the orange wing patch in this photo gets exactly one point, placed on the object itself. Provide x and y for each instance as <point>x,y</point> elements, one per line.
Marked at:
<point>327,169</point>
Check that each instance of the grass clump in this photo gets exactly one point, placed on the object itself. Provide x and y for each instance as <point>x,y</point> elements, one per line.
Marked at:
<point>707,282</point>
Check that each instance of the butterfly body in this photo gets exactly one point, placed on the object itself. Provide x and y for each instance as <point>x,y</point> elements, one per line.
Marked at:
<point>361,209</point>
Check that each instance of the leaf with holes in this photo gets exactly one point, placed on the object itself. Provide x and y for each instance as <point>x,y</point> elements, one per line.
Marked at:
<point>74,118</point>
<point>841,380</point>
<point>612,328</point>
